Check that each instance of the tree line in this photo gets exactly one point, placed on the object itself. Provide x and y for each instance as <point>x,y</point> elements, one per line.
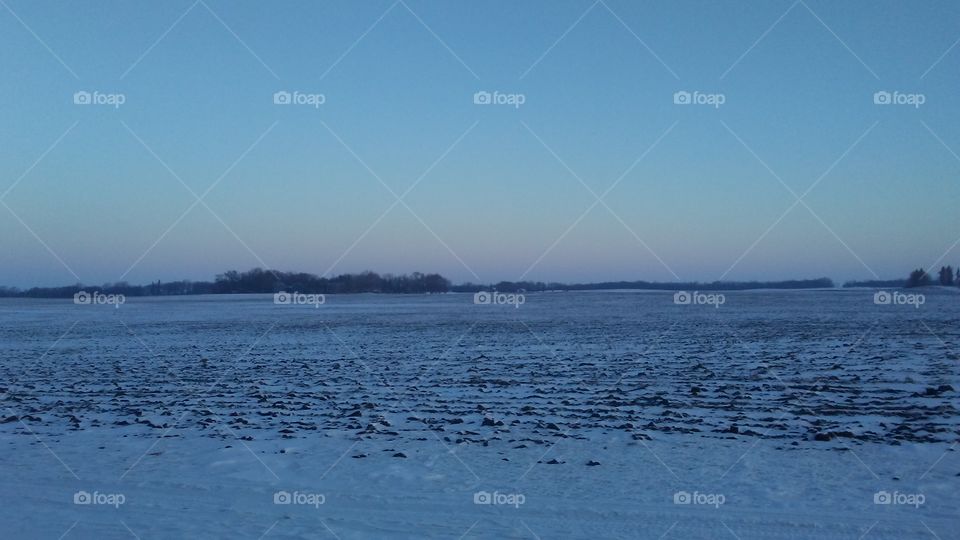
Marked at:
<point>946,277</point>
<point>539,286</point>
<point>259,280</point>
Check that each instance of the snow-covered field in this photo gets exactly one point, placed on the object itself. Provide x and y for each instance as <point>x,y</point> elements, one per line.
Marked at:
<point>574,415</point>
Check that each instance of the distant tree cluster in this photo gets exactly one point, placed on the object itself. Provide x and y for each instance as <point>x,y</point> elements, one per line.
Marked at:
<point>266,281</point>
<point>946,277</point>
<point>257,281</point>
<point>537,286</point>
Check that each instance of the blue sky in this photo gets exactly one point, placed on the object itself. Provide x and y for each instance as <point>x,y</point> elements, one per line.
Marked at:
<point>695,192</point>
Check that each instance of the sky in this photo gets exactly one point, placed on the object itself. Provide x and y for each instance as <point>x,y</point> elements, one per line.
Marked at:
<point>543,140</point>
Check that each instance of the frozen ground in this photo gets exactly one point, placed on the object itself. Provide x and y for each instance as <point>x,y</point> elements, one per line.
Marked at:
<point>781,414</point>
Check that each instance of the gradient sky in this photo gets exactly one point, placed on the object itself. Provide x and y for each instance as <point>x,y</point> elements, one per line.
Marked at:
<point>501,204</point>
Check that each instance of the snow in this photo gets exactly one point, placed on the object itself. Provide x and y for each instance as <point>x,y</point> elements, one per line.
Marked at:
<point>784,414</point>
